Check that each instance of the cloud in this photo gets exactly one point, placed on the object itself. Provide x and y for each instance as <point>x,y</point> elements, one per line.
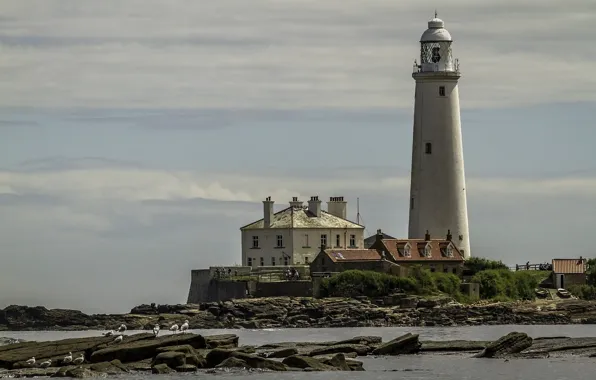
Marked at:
<point>294,54</point>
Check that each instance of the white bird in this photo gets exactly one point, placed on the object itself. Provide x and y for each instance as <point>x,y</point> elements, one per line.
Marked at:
<point>122,328</point>
<point>155,330</point>
<point>109,333</point>
<point>79,360</point>
<point>184,326</point>
<point>67,359</point>
<point>174,328</point>
<point>45,364</point>
<point>118,339</point>
<point>31,361</point>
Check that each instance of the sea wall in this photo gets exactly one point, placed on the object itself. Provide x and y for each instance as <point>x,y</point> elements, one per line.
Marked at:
<point>205,288</point>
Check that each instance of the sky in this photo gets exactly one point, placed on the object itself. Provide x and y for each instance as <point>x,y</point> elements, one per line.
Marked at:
<point>138,136</point>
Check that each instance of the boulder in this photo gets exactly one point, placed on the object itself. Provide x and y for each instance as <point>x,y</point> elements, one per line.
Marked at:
<point>196,360</point>
<point>355,365</point>
<point>307,362</point>
<point>405,344</point>
<point>453,345</point>
<point>283,353</point>
<point>342,348</point>
<point>185,348</point>
<point>232,363</point>
<point>161,369</point>
<point>511,343</point>
<point>217,356</point>
<point>258,362</point>
<point>338,361</point>
<point>147,348</point>
<point>79,373</point>
<point>364,340</point>
<point>172,359</point>
<point>186,368</point>
<point>221,341</point>
<point>111,368</point>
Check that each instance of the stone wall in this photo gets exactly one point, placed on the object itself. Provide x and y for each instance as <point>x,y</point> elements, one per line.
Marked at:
<point>284,288</point>
<point>204,288</point>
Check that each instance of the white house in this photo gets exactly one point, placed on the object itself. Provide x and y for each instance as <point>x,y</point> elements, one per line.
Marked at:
<point>296,234</point>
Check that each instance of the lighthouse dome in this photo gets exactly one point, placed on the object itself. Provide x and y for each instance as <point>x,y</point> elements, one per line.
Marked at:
<point>436,32</point>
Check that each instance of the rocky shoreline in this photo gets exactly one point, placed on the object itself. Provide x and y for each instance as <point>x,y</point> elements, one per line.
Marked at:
<point>286,312</point>
<point>187,352</point>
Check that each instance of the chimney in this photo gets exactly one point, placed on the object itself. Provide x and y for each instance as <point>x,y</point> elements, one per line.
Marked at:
<point>427,236</point>
<point>449,236</point>
<point>337,207</point>
<point>295,203</point>
<point>267,212</point>
<point>379,236</point>
<point>314,206</point>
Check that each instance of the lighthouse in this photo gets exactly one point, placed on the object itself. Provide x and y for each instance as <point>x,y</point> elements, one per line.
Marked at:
<point>438,204</point>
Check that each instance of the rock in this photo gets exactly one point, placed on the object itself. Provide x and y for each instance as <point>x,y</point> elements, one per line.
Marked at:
<point>342,348</point>
<point>232,363</point>
<point>217,356</point>
<point>79,373</point>
<point>161,369</point>
<point>364,340</point>
<point>283,353</point>
<point>147,348</point>
<point>453,345</point>
<point>511,343</point>
<point>186,368</point>
<point>355,365</point>
<point>196,360</point>
<point>111,368</point>
<point>221,341</point>
<point>405,344</point>
<point>172,359</point>
<point>257,362</point>
<point>304,362</point>
<point>338,361</point>
<point>185,348</point>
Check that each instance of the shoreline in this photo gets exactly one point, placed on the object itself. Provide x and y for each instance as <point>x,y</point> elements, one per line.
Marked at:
<point>289,312</point>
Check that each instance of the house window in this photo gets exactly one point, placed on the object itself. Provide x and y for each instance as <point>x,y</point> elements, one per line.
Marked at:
<point>262,262</point>
<point>411,203</point>
<point>428,148</point>
<point>407,252</point>
<point>427,251</point>
<point>306,241</point>
<point>280,241</point>
<point>432,269</point>
<point>449,252</point>
<point>445,270</point>
<point>352,240</point>
<point>255,242</point>
<point>273,261</point>
<point>454,270</point>
<point>286,263</point>
<point>337,242</point>
<point>249,261</point>
<point>306,260</point>
<point>442,91</point>
<point>323,240</point>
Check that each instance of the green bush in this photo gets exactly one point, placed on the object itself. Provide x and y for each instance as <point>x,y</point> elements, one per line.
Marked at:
<point>424,279</point>
<point>584,292</point>
<point>355,283</point>
<point>505,284</point>
<point>447,283</point>
<point>478,264</point>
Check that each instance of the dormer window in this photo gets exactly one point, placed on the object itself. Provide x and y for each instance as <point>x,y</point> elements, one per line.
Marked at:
<point>449,251</point>
<point>407,252</point>
<point>427,251</point>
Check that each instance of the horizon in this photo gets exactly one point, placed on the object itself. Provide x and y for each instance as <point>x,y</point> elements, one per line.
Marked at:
<point>136,141</point>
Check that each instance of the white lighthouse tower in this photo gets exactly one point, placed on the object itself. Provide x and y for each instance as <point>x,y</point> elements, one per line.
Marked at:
<point>438,188</point>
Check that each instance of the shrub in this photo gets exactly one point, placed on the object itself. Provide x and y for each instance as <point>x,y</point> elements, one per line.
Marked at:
<point>478,264</point>
<point>355,283</point>
<point>500,284</point>
<point>447,283</point>
<point>584,292</point>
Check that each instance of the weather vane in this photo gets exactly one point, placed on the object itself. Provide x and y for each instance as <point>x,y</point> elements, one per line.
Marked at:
<point>435,13</point>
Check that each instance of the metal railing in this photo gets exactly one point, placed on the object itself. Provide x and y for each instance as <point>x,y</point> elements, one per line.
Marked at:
<point>527,266</point>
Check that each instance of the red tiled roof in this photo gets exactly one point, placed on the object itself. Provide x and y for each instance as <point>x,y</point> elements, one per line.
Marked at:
<point>415,250</point>
<point>343,255</point>
<point>569,266</point>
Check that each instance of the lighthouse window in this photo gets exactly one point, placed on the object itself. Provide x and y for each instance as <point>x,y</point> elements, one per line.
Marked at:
<point>428,148</point>
<point>436,56</point>
<point>442,91</point>
<point>411,203</point>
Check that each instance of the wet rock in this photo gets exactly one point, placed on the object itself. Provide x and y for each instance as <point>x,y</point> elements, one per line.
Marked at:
<point>185,348</point>
<point>257,362</point>
<point>453,345</point>
<point>232,363</point>
<point>161,369</point>
<point>172,359</point>
<point>186,368</point>
<point>342,348</point>
<point>283,353</point>
<point>338,361</point>
<point>221,341</point>
<point>305,362</point>
<point>511,343</point>
<point>405,344</point>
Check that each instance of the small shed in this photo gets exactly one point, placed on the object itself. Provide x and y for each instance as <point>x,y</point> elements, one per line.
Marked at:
<point>569,272</point>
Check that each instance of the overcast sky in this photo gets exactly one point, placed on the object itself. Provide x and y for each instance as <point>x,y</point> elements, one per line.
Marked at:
<point>136,137</point>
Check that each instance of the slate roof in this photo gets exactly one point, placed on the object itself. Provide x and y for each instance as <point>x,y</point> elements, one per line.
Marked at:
<point>369,241</point>
<point>399,248</point>
<point>303,219</point>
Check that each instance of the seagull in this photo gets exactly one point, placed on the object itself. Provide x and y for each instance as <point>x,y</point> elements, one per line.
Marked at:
<point>122,328</point>
<point>184,326</point>
<point>174,328</point>
<point>155,330</point>
<point>118,339</point>
<point>45,364</point>
<point>67,359</point>
<point>79,360</point>
<point>31,361</point>
<point>109,333</point>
